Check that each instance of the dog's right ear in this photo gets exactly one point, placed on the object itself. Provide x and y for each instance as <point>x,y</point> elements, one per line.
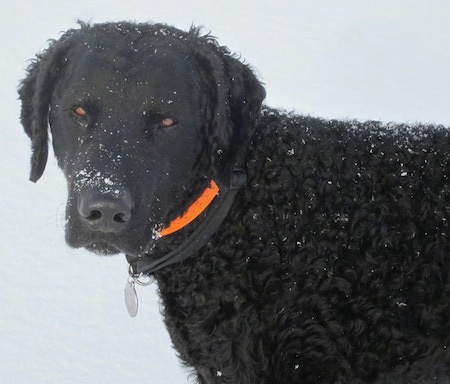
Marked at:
<point>35,92</point>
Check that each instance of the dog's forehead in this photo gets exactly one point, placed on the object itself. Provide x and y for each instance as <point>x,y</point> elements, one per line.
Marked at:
<point>161,70</point>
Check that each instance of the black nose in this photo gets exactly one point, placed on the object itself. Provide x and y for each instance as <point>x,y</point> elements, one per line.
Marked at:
<point>105,212</point>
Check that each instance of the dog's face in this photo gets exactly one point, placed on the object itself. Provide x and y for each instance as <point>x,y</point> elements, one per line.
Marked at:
<point>126,132</point>
<point>138,123</point>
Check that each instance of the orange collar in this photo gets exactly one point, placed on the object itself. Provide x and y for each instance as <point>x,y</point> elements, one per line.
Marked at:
<point>193,211</point>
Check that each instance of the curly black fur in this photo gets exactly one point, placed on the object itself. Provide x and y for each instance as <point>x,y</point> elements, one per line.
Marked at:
<point>332,264</point>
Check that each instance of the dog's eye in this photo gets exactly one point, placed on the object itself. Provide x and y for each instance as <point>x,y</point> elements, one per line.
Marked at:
<point>80,115</point>
<point>168,122</point>
<point>80,112</point>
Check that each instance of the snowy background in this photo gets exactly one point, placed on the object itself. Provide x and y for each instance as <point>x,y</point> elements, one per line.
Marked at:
<point>62,316</point>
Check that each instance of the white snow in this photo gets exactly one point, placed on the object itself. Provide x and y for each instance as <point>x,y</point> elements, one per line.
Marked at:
<point>62,312</point>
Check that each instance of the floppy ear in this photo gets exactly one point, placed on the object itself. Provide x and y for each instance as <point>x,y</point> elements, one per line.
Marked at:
<point>245,96</point>
<point>233,103</point>
<point>35,92</point>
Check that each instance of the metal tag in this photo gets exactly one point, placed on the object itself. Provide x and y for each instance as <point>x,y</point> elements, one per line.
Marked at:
<point>131,299</point>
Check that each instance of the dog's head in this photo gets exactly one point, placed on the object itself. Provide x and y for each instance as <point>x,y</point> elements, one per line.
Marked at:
<point>142,117</point>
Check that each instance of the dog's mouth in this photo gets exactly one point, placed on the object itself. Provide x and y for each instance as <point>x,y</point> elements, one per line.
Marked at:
<point>103,249</point>
<point>77,236</point>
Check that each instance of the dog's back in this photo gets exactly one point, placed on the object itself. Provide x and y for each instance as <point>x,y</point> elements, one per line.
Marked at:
<point>361,256</point>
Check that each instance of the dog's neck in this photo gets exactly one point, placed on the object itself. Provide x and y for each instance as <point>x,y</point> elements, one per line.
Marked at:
<point>193,211</point>
<point>217,205</point>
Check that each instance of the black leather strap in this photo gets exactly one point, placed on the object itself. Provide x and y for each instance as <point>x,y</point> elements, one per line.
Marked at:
<point>147,264</point>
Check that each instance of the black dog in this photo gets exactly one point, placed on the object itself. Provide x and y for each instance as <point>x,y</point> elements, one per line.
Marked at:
<point>287,249</point>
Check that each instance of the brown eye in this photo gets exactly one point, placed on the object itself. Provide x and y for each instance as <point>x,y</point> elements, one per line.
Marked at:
<point>79,111</point>
<point>168,122</point>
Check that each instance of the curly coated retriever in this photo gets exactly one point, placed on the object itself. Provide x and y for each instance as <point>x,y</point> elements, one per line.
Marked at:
<point>287,249</point>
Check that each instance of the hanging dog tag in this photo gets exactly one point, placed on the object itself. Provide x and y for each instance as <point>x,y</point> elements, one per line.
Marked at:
<point>131,299</point>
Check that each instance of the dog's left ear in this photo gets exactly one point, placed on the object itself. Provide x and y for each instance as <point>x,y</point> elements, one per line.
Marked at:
<point>35,92</point>
<point>233,98</point>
